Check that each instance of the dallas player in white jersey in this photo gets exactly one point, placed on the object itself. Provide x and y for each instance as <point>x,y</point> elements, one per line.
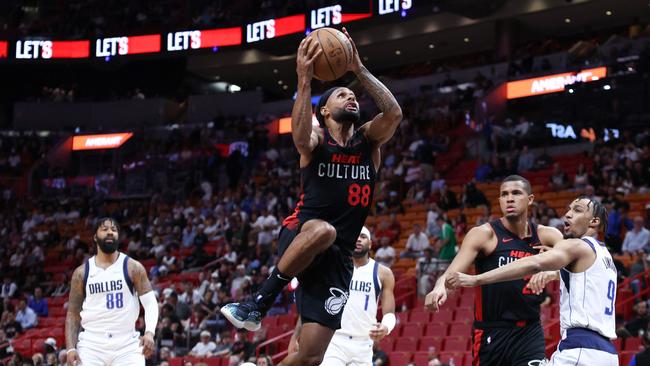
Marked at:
<point>104,303</point>
<point>352,344</point>
<point>588,286</point>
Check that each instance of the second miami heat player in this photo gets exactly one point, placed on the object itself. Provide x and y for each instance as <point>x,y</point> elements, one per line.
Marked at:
<point>507,329</point>
<point>338,169</point>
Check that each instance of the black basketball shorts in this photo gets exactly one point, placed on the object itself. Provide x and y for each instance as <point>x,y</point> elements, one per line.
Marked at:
<point>508,346</point>
<point>324,285</point>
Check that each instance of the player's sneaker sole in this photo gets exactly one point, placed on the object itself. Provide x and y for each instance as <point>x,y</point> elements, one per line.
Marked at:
<point>251,323</point>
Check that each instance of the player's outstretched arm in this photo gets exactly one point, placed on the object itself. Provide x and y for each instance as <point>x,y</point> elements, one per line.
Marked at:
<point>142,286</point>
<point>301,115</point>
<point>469,249</point>
<point>73,316</point>
<point>388,320</point>
<point>548,237</point>
<point>383,126</point>
<point>563,254</point>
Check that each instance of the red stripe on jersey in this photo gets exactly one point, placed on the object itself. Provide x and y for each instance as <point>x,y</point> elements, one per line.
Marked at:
<point>478,336</point>
<point>478,304</point>
<point>291,222</point>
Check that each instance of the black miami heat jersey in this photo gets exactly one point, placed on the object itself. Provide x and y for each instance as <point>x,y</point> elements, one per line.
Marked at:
<point>338,186</point>
<point>507,301</point>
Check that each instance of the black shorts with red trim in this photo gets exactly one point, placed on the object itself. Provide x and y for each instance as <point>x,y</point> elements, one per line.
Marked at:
<point>508,344</point>
<point>324,285</point>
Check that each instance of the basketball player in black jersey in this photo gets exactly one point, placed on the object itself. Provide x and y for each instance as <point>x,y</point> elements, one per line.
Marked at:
<point>507,329</point>
<point>338,169</point>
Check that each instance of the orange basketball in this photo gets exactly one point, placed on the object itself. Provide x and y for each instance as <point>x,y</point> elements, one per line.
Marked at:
<point>336,56</point>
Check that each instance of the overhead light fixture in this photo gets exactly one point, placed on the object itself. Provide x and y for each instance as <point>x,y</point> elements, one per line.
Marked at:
<point>285,87</point>
<point>275,71</point>
<point>606,87</point>
<point>398,52</point>
<point>280,82</point>
<point>466,40</point>
<point>567,20</point>
<point>608,12</point>
<point>570,91</point>
<point>365,58</point>
<point>431,46</point>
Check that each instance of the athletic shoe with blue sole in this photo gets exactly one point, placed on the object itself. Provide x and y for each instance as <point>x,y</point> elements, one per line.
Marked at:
<point>243,315</point>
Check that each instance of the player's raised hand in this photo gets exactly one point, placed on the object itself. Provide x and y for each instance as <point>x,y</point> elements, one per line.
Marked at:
<point>457,279</point>
<point>308,51</point>
<point>148,344</point>
<point>378,332</point>
<point>356,64</point>
<point>436,298</point>
<point>73,358</point>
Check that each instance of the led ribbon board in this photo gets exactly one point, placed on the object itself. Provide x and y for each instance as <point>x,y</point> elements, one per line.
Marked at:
<point>552,83</point>
<point>97,142</point>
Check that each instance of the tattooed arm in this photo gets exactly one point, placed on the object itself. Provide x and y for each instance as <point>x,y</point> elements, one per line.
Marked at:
<point>142,286</point>
<point>73,317</point>
<point>383,126</point>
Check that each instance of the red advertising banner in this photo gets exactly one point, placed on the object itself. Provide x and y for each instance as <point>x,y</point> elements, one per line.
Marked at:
<point>3,49</point>
<point>267,29</point>
<point>35,49</point>
<point>120,46</point>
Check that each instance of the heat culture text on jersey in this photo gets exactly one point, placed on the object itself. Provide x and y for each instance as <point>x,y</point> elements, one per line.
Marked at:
<point>344,167</point>
<point>106,286</point>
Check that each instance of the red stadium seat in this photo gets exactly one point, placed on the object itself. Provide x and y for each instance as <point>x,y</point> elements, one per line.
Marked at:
<point>57,311</point>
<point>386,344</point>
<point>436,330</point>
<point>625,357</point>
<point>460,330</point>
<point>463,314</point>
<point>270,321</point>
<point>287,321</point>
<point>175,361</point>
<point>426,343</point>
<point>406,344</point>
<point>446,357</point>
<point>399,358</point>
<point>413,330</point>
<point>420,316</point>
<point>618,343</point>
<point>456,345</point>
<point>214,361</point>
<point>443,315</point>
<point>23,346</point>
<point>421,358</point>
<point>193,360</point>
<point>633,344</point>
<point>466,300</point>
<point>402,318</point>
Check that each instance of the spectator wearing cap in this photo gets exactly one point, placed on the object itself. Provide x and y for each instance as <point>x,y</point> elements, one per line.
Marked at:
<point>637,239</point>
<point>38,303</point>
<point>205,347</point>
<point>50,345</point>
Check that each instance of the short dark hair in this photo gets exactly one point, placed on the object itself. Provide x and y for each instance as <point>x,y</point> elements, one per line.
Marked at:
<point>598,210</point>
<point>519,178</point>
<point>102,220</point>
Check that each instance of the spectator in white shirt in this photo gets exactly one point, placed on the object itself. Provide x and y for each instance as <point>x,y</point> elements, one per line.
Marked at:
<point>638,238</point>
<point>190,296</point>
<point>8,288</point>
<point>385,254</point>
<point>26,316</point>
<point>205,347</point>
<point>416,243</point>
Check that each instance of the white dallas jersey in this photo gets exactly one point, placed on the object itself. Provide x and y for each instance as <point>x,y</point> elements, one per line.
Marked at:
<point>111,304</point>
<point>588,298</point>
<point>360,312</point>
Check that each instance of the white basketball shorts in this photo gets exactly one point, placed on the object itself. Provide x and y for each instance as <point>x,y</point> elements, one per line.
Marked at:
<point>348,351</point>
<point>109,349</point>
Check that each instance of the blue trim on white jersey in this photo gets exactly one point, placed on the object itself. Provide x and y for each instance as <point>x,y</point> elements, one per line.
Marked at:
<point>375,279</point>
<point>590,244</point>
<point>125,269</point>
<point>87,270</point>
<point>586,338</point>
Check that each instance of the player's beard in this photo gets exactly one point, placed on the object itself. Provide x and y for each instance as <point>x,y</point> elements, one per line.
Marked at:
<point>344,116</point>
<point>360,254</point>
<point>108,248</point>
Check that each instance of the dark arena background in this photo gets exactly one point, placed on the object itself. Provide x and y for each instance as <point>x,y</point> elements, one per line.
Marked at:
<point>174,118</point>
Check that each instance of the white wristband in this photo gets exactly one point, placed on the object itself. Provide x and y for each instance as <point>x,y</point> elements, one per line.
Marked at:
<point>389,321</point>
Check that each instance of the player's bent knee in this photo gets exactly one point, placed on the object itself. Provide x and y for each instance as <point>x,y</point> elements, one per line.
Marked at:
<point>323,233</point>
